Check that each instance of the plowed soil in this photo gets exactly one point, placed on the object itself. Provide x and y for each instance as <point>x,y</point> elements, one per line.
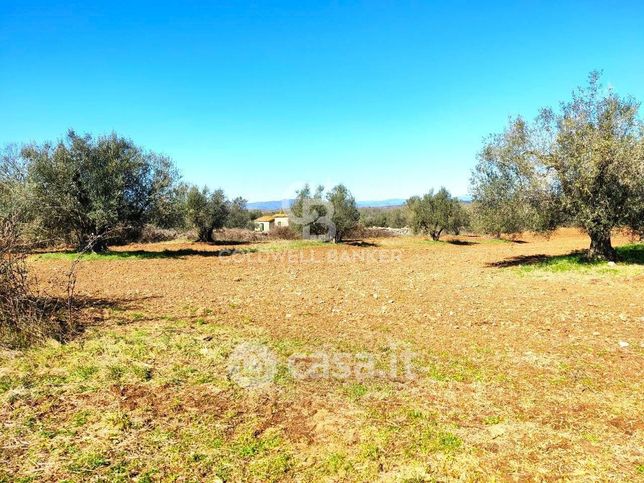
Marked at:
<point>517,374</point>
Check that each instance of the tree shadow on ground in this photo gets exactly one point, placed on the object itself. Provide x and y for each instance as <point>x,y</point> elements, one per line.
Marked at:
<point>627,254</point>
<point>180,253</point>
<point>62,319</point>
<point>360,243</point>
<point>231,242</point>
<point>90,312</point>
<point>521,260</point>
<point>146,255</point>
<point>462,242</point>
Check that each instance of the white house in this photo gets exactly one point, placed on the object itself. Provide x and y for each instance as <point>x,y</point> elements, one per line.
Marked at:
<point>270,222</point>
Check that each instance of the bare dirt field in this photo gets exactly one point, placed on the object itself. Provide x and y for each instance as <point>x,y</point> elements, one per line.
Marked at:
<point>396,359</point>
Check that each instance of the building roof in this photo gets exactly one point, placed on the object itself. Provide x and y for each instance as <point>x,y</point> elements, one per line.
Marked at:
<point>272,217</point>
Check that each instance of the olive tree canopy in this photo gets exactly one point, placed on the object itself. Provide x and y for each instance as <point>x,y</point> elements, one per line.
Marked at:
<point>581,165</point>
<point>206,211</point>
<point>84,187</point>
<point>434,213</point>
<point>345,215</point>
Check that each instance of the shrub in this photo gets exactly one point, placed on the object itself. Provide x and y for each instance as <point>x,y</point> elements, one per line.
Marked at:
<point>284,233</point>
<point>26,315</point>
<point>361,231</point>
<point>238,235</point>
<point>154,234</point>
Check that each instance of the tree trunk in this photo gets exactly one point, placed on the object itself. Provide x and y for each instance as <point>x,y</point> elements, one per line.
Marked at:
<point>601,247</point>
<point>99,246</point>
<point>91,244</point>
<point>205,235</point>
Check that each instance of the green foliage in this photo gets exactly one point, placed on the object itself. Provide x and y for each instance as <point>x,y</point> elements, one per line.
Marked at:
<point>14,195</point>
<point>435,213</point>
<point>238,214</point>
<point>582,165</point>
<point>170,209</point>
<point>314,215</point>
<point>345,215</point>
<point>206,211</point>
<point>391,217</point>
<point>86,187</point>
<point>310,212</point>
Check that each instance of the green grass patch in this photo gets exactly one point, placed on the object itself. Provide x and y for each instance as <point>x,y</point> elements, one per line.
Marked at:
<point>628,255</point>
<point>276,246</point>
<point>356,391</point>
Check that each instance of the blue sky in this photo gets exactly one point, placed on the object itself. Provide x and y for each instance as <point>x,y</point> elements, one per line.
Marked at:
<point>391,98</point>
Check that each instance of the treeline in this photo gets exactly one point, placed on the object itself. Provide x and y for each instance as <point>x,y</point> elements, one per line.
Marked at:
<point>92,191</point>
<point>581,165</point>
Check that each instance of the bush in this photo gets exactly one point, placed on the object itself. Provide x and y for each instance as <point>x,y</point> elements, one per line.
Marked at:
<point>238,235</point>
<point>154,234</point>
<point>361,232</point>
<point>284,233</point>
<point>26,315</point>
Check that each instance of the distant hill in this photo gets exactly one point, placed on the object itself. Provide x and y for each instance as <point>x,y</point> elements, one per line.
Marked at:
<point>381,203</point>
<point>277,205</point>
<point>269,205</point>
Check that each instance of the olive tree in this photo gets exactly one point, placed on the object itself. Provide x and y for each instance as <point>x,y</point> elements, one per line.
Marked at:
<point>309,212</point>
<point>238,214</point>
<point>86,187</point>
<point>435,213</point>
<point>206,211</point>
<point>345,215</point>
<point>582,164</point>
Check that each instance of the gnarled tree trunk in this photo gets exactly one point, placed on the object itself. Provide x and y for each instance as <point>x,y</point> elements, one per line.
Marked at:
<point>601,247</point>
<point>436,234</point>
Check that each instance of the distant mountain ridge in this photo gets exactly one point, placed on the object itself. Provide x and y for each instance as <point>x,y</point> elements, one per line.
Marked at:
<point>277,205</point>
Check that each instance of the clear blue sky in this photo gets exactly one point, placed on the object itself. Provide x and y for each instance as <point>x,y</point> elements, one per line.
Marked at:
<point>392,98</point>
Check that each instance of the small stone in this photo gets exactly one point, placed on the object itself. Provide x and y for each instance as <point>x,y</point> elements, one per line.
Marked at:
<point>611,264</point>
<point>623,343</point>
<point>595,333</point>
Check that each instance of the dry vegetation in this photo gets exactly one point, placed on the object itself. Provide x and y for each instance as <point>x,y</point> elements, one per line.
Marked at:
<point>524,372</point>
